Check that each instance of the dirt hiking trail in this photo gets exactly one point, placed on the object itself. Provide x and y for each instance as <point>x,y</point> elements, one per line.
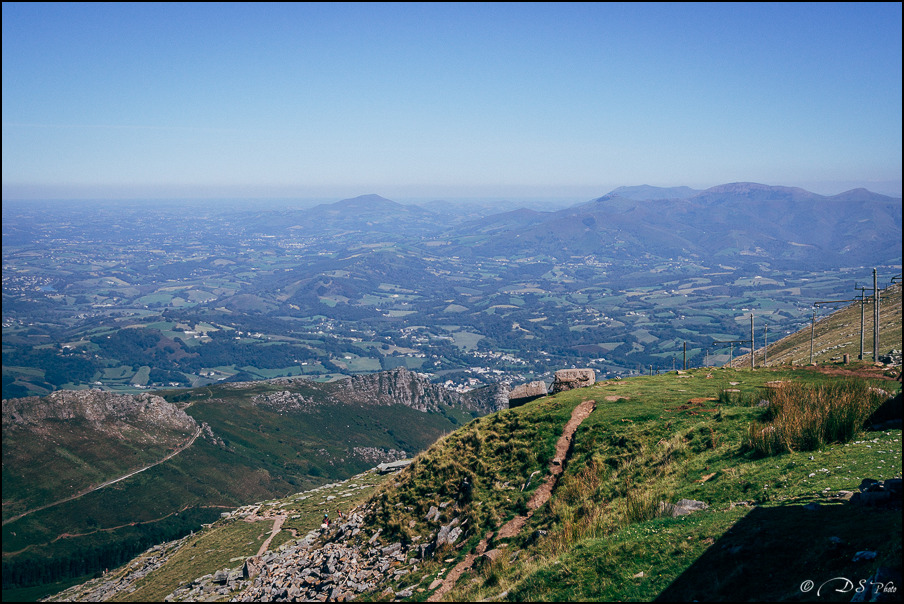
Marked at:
<point>541,496</point>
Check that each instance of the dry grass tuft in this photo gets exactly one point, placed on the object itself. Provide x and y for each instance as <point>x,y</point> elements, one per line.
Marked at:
<point>806,417</point>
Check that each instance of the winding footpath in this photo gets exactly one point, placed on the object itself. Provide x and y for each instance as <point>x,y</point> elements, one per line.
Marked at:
<point>107,483</point>
<point>513,527</point>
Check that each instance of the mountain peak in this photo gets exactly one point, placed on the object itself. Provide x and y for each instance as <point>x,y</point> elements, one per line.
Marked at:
<point>369,200</point>
<point>648,192</point>
<point>861,194</point>
<point>754,191</point>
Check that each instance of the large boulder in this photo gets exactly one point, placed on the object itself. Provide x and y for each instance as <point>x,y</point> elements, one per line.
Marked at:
<point>569,379</point>
<point>525,393</point>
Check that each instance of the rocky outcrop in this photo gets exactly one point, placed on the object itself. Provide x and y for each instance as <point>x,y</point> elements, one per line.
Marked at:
<point>403,387</point>
<point>569,379</point>
<point>892,358</point>
<point>487,399</point>
<point>104,411</point>
<point>393,466</point>
<point>285,401</point>
<point>379,455</point>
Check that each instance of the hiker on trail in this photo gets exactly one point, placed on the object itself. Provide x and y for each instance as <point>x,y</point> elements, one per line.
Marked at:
<point>326,519</point>
<point>339,512</point>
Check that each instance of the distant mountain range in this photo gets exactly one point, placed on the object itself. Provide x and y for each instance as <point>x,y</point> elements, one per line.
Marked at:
<point>737,222</point>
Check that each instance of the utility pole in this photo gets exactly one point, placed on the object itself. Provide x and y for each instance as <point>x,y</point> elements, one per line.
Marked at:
<point>862,305</point>
<point>685,356</point>
<point>731,344</point>
<point>875,317</point>
<point>765,345</point>
<point>752,347</point>
<point>812,330</point>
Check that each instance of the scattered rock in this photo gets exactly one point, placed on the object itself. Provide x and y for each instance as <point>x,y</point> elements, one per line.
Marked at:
<point>432,514</point>
<point>682,508</point>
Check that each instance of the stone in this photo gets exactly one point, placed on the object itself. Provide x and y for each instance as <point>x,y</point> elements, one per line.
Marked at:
<point>395,466</point>
<point>432,514</point>
<point>682,508</point>
<point>390,549</point>
<point>491,555</point>
<point>525,393</point>
<point>883,586</point>
<point>569,379</point>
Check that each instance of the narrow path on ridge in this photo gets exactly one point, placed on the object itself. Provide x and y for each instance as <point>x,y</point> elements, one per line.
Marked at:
<point>277,526</point>
<point>541,496</point>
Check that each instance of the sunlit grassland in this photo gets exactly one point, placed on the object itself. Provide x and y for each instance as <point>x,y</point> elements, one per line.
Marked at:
<point>656,439</point>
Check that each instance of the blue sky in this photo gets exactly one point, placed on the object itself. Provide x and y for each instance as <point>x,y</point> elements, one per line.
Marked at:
<point>447,100</point>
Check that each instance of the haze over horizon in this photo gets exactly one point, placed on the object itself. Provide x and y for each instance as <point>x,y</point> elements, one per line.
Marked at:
<point>427,101</point>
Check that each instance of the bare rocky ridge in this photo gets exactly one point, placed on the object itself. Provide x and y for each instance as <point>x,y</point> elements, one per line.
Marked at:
<point>394,387</point>
<point>403,387</point>
<point>106,412</point>
<point>285,401</point>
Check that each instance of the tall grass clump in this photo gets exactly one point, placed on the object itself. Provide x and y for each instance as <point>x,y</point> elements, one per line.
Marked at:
<point>803,417</point>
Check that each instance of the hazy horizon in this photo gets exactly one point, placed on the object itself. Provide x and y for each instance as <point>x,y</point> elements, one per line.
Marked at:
<point>556,197</point>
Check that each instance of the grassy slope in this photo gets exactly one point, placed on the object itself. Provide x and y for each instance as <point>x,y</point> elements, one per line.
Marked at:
<point>630,454</point>
<point>836,335</point>
<point>646,442</point>
<point>70,449</point>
